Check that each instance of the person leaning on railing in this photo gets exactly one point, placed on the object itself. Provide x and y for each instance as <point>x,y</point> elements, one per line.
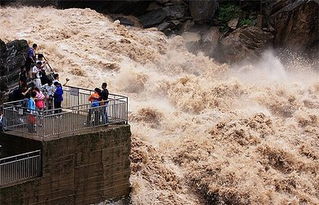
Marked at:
<point>95,99</point>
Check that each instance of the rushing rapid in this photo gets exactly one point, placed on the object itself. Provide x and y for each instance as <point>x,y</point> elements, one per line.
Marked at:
<point>203,132</point>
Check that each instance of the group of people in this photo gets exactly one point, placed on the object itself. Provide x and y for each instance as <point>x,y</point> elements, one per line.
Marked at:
<point>97,99</point>
<point>38,92</point>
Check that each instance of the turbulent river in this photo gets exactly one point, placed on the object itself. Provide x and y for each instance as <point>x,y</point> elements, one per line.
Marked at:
<point>203,132</point>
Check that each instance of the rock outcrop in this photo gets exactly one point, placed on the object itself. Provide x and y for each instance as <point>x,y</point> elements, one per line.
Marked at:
<point>12,58</point>
<point>244,42</point>
<point>296,24</point>
<point>203,11</point>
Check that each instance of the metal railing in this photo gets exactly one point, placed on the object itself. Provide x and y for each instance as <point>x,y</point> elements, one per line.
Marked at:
<point>20,167</point>
<point>76,115</point>
<point>74,96</point>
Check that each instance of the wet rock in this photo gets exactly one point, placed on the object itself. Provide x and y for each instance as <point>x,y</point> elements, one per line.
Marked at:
<point>163,26</point>
<point>2,48</point>
<point>233,23</point>
<point>164,18</point>
<point>206,41</point>
<point>203,11</point>
<point>246,42</point>
<point>176,11</point>
<point>153,18</point>
<point>187,25</point>
<point>125,21</point>
<point>296,24</point>
<point>259,21</point>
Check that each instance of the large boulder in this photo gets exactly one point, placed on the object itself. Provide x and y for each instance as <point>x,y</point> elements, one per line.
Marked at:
<point>168,15</point>
<point>3,49</point>
<point>153,18</point>
<point>296,23</point>
<point>245,42</point>
<point>203,11</point>
<point>12,58</point>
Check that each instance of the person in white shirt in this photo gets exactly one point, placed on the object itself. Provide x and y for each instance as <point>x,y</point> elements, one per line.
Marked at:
<point>48,90</point>
<point>36,75</point>
<point>57,79</point>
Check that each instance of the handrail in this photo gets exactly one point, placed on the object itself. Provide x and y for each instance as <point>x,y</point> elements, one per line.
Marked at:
<point>91,91</point>
<point>19,160</point>
<point>66,108</point>
<point>18,155</point>
<point>47,62</point>
<point>20,167</point>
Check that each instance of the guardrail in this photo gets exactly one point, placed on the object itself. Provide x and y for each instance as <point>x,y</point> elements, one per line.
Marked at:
<point>77,115</point>
<point>20,167</point>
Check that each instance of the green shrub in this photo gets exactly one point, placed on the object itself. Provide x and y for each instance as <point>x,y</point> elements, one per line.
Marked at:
<point>227,12</point>
<point>246,22</point>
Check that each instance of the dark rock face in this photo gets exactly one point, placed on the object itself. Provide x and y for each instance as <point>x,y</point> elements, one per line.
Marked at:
<point>296,24</point>
<point>166,18</point>
<point>127,7</point>
<point>203,11</point>
<point>244,42</point>
<point>12,58</point>
<point>153,18</point>
<point>125,21</point>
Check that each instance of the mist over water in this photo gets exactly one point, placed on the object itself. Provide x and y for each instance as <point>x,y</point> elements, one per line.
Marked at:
<point>202,132</point>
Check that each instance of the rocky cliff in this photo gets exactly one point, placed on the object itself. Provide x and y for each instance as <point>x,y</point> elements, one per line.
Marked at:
<point>251,25</point>
<point>12,58</point>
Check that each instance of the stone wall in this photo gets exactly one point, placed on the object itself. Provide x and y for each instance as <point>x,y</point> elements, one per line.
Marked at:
<point>82,169</point>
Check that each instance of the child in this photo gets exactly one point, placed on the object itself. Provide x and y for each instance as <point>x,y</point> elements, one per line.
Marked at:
<point>31,118</point>
<point>39,100</point>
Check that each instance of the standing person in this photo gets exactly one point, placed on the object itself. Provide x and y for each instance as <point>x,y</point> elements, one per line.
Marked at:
<point>20,93</point>
<point>23,75</point>
<point>49,90</point>
<point>36,75</point>
<point>104,102</point>
<point>39,99</point>
<point>43,76</point>
<point>2,120</point>
<point>58,97</point>
<point>31,118</point>
<point>30,57</point>
<point>57,79</point>
<point>95,99</point>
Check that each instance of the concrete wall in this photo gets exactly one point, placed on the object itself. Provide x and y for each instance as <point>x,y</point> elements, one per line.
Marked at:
<point>82,169</point>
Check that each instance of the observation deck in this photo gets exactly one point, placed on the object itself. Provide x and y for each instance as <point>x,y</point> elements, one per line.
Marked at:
<point>74,156</point>
<point>77,116</point>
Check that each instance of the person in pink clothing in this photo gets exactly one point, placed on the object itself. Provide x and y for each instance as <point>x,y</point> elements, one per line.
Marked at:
<point>39,99</point>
